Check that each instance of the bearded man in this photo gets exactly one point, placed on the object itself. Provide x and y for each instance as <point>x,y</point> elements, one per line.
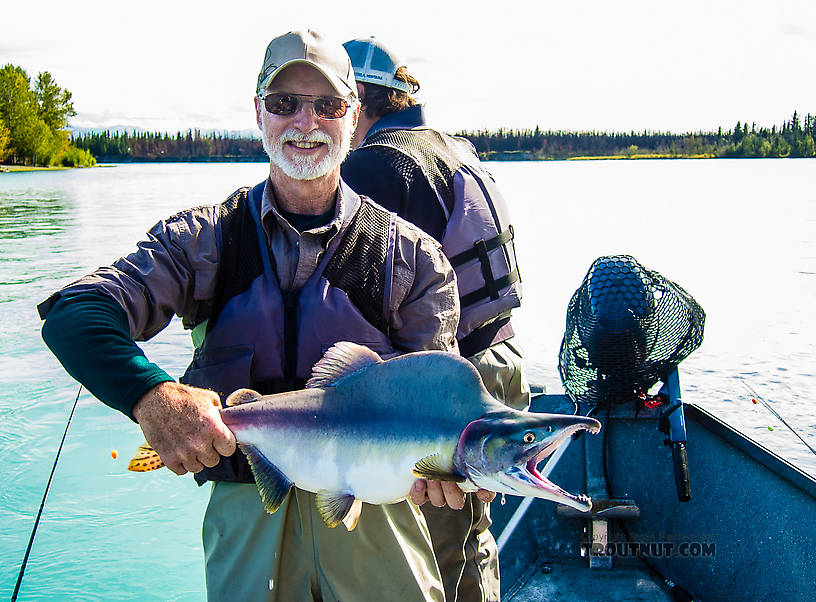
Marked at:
<point>268,280</point>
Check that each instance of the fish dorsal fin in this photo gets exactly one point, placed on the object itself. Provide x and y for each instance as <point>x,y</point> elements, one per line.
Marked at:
<point>145,459</point>
<point>240,396</point>
<point>342,360</point>
<point>336,508</point>
<point>434,468</point>
<point>273,485</point>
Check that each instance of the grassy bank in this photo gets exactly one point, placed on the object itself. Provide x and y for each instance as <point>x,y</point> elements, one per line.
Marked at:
<point>527,156</point>
<point>15,168</point>
<point>643,156</point>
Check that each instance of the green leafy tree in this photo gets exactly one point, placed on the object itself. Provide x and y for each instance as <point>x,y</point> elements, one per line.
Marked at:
<point>54,103</point>
<point>35,119</point>
<point>803,146</point>
<point>779,147</point>
<point>18,113</point>
<point>4,142</point>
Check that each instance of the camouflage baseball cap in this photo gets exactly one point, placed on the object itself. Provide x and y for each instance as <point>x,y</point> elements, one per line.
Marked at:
<point>309,48</point>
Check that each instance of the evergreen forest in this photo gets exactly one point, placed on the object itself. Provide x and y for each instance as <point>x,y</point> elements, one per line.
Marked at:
<point>793,138</point>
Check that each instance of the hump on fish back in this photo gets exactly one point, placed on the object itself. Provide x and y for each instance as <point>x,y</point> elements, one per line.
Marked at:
<point>341,361</point>
<point>436,369</point>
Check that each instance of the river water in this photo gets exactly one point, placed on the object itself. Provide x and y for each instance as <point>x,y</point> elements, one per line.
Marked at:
<point>738,235</point>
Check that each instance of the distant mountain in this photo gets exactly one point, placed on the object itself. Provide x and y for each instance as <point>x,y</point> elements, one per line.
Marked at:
<point>131,129</point>
<point>114,129</point>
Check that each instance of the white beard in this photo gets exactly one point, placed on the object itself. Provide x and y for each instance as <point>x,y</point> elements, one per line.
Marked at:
<point>306,167</point>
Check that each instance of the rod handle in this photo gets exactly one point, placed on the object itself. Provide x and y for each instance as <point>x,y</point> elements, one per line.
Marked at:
<point>681,471</point>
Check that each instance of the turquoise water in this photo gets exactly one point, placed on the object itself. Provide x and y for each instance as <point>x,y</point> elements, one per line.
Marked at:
<point>740,236</point>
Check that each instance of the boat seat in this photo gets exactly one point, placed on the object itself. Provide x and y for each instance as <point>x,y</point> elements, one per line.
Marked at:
<point>603,509</point>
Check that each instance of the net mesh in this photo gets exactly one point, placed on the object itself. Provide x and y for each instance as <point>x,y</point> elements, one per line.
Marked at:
<point>358,263</point>
<point>627,326</point>
<point>420,155</point>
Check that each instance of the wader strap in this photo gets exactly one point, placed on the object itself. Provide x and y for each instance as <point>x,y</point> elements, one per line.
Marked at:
<point>486,336</point>
<point>389,273</point>
<point>493,243</point>
<point>254,201</point>
<point>290,346</point>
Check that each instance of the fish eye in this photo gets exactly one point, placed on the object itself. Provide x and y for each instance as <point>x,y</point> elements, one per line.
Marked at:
<point>529,437</point>
<point>549,429</point>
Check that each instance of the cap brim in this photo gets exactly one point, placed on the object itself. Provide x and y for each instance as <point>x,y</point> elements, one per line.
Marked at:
<point>382,78</point>
<point>338,84</point>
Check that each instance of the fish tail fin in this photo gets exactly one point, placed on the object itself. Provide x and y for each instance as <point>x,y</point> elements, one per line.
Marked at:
<point>145,459</point>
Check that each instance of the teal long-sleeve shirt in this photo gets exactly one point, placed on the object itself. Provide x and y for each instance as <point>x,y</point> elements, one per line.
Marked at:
<point>89,335</point>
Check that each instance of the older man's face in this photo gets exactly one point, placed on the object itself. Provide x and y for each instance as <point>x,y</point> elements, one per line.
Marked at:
<point>302,145</point>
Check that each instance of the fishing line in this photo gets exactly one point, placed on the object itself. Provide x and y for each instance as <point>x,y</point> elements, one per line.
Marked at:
<point>772,411</point>
<point>42,504</point>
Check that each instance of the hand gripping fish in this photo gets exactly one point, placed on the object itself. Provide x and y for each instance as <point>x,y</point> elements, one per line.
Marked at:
<point>364,429</point>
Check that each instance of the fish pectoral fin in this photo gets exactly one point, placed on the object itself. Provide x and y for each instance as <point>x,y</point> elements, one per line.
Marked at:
<point>272,484</point>
<point>240,396</point>
<point>434,468</point>
<point>353,515</point>
<point>336,507</point>
<point>341,360</point>
<point>145,459</point>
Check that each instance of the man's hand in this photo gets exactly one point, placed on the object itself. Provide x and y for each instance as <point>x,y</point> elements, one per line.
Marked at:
<point>183,424</point>
<point>444,493</point>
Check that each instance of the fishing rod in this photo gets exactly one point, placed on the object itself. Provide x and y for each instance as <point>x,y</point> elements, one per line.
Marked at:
<point>42,504</point>
<point>758,397</point>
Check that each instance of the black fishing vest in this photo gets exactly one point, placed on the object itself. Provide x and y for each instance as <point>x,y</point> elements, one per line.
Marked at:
<point>478,238</point>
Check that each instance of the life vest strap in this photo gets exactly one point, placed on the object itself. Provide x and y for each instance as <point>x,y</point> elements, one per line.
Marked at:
<point>473,253</point>
<point>492,286</point>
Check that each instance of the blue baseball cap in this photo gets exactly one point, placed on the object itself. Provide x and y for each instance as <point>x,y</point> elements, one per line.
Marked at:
<point>373,63</point>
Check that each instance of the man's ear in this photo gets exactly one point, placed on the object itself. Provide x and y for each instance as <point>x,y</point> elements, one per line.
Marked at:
<point>360,91</point>
<point>258,109</point>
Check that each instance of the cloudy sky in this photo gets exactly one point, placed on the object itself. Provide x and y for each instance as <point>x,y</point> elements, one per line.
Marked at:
<point>572,65</point>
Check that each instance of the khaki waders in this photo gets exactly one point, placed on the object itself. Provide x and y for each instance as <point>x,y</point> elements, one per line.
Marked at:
<point>292,556</point>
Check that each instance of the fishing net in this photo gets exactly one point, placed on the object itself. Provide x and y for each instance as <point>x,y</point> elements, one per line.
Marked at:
<point>627,326</point>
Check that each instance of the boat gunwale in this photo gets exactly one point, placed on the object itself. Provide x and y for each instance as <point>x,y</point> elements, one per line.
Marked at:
<point>757,451</point>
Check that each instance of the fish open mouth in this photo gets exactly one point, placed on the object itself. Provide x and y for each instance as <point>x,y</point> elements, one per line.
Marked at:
<point>528,474</point>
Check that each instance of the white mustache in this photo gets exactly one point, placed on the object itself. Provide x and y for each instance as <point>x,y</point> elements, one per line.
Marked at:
<point>292,135</point>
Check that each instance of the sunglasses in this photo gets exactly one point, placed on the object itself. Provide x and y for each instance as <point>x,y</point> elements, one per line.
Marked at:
<point>325,107</point>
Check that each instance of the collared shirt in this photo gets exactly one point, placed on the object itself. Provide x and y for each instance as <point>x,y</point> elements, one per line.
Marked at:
<point>412,117</point>
<point>298,253</point>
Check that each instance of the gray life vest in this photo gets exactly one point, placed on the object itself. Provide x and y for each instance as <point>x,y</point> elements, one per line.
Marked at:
<point>263,338</point>
<point>478,238</point>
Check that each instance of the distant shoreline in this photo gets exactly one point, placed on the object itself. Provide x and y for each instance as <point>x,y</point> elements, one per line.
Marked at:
<point>20,168</point>
<point>497,157</point>
<point>511,157</point>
